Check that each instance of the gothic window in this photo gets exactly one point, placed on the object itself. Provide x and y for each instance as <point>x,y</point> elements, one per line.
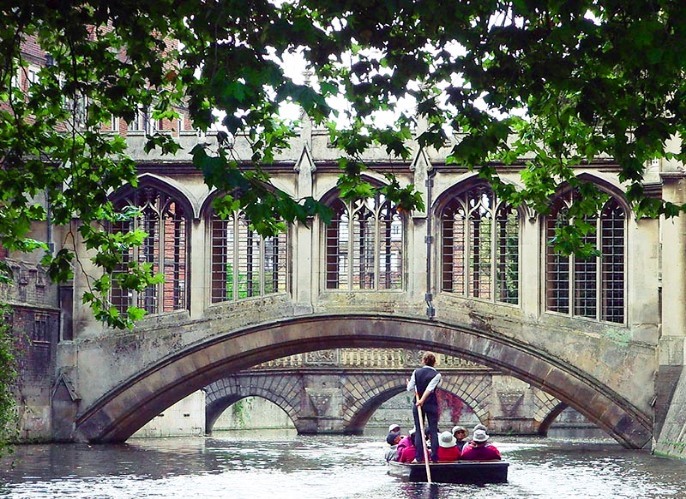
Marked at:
<point>480,247</point>
<point>591,287</point>
<point>245,264</point>
<point>165,248</point>
<point>364,246</point>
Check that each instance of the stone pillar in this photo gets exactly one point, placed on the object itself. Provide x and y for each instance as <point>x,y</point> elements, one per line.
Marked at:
<point>642,280</point>
<point>531,264</point>
<point>304,247</point>
<point>422,257</point>
<point>199,256</point>
<point>84,323</point>
<point>322,405</point>
<point>671,344</point>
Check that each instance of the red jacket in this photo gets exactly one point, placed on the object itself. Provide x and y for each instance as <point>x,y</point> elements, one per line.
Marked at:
<point>486,452</point>
<point>408,454</point>
<point>448,454</point>
<point>407,441</point>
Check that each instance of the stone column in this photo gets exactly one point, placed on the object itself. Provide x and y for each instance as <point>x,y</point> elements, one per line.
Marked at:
<point>422,254</point>
<point>199,288</point>
<point>642,282</point>
<point>531,261</point>
<point>305,254</point>
<point>671,344</point>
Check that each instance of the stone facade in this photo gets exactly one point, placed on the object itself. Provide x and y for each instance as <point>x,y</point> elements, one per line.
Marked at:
<point>599,367</point>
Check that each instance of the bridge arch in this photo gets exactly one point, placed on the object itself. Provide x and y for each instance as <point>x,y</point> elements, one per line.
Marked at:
<point>375,394</point>
<point>550,418</point>
<point>227,391</point>
<point>124,409</point>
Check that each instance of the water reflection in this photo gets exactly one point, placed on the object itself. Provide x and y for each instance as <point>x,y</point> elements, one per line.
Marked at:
<point>283,465</point>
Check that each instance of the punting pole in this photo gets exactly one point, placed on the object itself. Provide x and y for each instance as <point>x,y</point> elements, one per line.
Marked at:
<point>426,451</point>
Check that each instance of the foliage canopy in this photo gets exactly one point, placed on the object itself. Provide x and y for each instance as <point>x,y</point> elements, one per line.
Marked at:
<point>558,82</point>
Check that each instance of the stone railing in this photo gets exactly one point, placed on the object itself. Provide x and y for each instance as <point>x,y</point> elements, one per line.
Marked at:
<point>365,358</point>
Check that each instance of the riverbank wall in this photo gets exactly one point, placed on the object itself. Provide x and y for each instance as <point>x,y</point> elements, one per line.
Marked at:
<point>671,439</point>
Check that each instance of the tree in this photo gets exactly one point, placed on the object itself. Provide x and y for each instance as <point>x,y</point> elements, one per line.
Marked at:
<point>8,376</point>
<point>558,82</point>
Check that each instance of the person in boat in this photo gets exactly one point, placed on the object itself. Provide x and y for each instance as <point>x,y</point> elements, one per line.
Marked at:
<point>393,427</point>
<point>393,439</point>
<point>460,434</point>
<point>408,453</point>
<point>477,426</point>
<point>405,442</point>
<point>424,382</point>
<point>447,448</point>
<point>479,449</point>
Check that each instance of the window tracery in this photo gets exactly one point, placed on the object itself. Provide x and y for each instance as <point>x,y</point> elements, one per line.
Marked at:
<point>591,287</point>
<point>165,248</point>
<point>364,246</point>
<point>480,247</point>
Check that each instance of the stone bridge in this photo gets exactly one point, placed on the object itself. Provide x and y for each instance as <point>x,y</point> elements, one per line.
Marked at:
<point>134,394</point>
<point>467,277</point>
<point>326,395</point>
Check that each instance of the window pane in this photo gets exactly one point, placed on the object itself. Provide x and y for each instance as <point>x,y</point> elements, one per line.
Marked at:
<point>222,266</point>
<point>586,280</point>
<point>121,297</point>
<point>453,252</point>
<point>275,264</point>
<point>363,239</point>
<point>337,249</point>
<point>612,244</point>
<point>147,299</point>
<point>249,256</point>
<point>557,265</point>
<point>390,251</point>
<point>174,247</point>
<point>507,255</point>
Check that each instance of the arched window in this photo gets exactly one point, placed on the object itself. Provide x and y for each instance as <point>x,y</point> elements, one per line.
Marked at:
<point>245,264</point>
<point>591,287</point>
<point>165,248</point>
<point>480,247</point>
<point>364,246</point>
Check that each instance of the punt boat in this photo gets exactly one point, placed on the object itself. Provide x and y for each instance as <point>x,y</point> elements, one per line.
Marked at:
<point>469,472</point>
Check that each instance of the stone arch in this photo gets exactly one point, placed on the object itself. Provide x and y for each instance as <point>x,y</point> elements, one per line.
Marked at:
<point>284,392</point>
<point>332,194</point>
<point>551,417</point>
<point>367,394</point>
<point>118,413</point>
<point>473,390</point>
<point>169,186</point>
<point>465,183</point>
<point>604,185</point>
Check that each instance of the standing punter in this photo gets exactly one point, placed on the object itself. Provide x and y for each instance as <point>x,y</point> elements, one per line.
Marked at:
<point>424,382</point>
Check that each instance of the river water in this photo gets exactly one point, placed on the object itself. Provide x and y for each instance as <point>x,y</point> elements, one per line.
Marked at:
<point>281,465</point>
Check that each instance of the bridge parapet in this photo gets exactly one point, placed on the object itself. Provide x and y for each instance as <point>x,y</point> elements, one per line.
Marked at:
<point>368,358</point>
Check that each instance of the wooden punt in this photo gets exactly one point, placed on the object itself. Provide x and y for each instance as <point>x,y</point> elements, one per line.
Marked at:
<point>469,472</point>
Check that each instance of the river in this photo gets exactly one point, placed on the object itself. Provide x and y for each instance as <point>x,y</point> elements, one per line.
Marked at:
<point>282,465</point>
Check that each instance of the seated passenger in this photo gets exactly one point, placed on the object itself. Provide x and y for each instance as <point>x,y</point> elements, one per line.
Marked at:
<point>460,434</point>
<point>405,442</point>
<point>447,448</point>
<point>392,439</point>
<point>408,453</point>
<point>478,426</point>
<point>479,449</point>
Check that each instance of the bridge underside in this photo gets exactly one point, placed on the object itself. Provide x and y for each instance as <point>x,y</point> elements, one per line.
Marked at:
<point>119,413</point>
